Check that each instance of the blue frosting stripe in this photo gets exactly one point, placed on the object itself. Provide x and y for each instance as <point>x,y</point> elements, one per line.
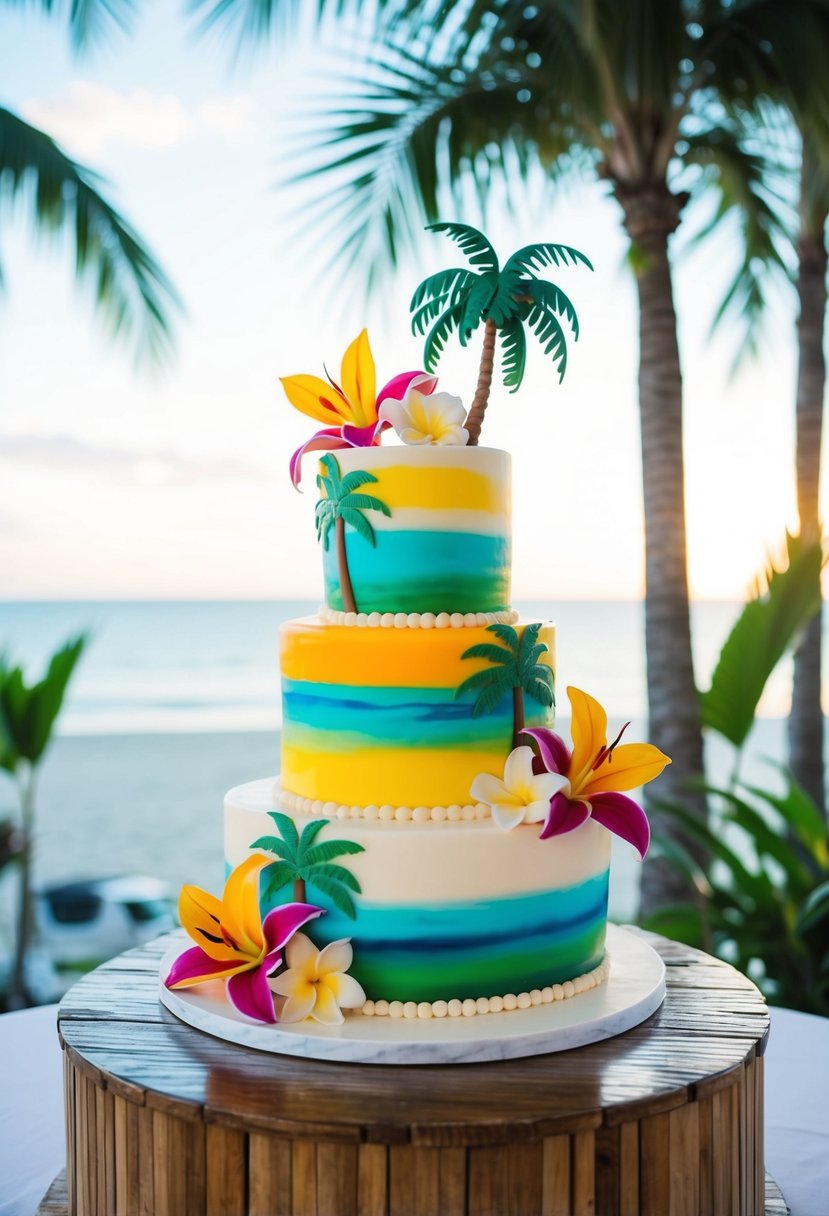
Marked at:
<point>418,717</point>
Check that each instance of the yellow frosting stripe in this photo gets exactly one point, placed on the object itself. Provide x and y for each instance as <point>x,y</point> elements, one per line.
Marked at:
<point>398,776</point>
<point>440,489</point>
<point>385,658</point>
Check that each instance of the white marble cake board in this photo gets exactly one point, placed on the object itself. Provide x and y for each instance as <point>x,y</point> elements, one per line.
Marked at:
<point>633,991</point>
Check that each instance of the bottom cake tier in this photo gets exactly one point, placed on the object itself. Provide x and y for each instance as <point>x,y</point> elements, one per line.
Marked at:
<point>440,910</point>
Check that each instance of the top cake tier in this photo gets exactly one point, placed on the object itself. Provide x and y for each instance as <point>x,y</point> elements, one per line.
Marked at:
<point>429,531</point>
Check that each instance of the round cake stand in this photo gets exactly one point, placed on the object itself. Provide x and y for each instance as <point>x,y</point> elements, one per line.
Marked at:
<point>634,989</point>
<point>664,1118</point>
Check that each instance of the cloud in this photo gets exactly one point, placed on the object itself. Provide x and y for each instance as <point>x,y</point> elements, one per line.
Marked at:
<point>92,117</point>
<point>65,454</point>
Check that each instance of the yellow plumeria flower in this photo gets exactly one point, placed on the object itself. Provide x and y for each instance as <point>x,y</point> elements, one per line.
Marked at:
<point>316,984</point>
<point>523,796</point>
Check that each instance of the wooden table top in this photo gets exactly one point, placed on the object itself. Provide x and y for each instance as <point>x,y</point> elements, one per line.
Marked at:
<point>713,1021</point>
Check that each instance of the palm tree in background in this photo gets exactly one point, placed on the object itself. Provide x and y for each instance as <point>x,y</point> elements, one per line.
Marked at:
<point>131,292</point>
<point>639,92</point>
<point>506,300</point>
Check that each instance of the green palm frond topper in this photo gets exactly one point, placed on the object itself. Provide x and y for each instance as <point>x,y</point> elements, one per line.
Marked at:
<point>515,667</point>
<point>506,301</point>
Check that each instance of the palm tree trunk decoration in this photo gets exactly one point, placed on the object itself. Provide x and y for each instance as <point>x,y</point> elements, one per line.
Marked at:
<point>806,730</point>
<point>475,417</point>
<point>346,589</point>
<point>341,505</point>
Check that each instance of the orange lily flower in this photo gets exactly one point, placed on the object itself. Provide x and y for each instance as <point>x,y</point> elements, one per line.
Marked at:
<point>233,943</point>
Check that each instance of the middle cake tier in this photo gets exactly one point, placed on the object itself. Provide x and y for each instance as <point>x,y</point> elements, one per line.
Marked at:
<point>407,718</point>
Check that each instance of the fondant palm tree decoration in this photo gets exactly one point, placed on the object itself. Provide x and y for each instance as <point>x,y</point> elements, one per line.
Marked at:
<point>341,506</point>
<point>302,861</point>
<point>506,301</point>
<point>516,666</point>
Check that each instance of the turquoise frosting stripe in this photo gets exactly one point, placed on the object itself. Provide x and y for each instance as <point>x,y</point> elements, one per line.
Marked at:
<point>416,717</point>
<point>471,948</point>
<point>422,571</point>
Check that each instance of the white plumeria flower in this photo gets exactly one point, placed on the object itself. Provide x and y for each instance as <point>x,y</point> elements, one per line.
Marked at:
<point>315,984</point>
<point>421,418</point>
<point>523,796</point>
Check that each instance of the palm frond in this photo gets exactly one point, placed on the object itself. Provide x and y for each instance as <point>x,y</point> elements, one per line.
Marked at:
<point>487,650</point>
<point>489,698</point>
<point>513,353</point>
<point>536,257</point>
<point>358,477</point>
<point>90,20</point>
<point>287,829</point>
<point>550,334</point>
<point>132,295</point>
<point>277,846</point>
<point>440,286</point>
<point>306,840</point>
<point>489,678</point>
<point>476,306</point>
<point>331,478</point>
<point>337,893</point>
<point>277,876</point>
<point>362,502</point>
<point>327,850</point>
<point>358,521</point>
<point>551,298</point>
<point>333,873</point>
<point>506,634</point>
<point>541,690</point>
<point>529,639</point>
<point>473,243</point>
<point>443,328</point>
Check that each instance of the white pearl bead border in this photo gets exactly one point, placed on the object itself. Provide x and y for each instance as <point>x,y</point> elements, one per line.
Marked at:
<point>489,1004</point>
<point>416,620</point>
<point>316,808</point>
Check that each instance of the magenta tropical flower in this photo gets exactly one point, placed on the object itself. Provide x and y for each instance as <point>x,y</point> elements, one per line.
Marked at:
<point>350,407</point>
<point>596,774</point>
<point>234,943</point>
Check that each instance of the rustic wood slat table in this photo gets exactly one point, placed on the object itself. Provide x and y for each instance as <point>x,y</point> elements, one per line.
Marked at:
<point>664,1120</point>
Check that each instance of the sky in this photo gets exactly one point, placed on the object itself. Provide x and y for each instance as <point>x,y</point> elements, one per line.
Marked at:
<point>117,483</point>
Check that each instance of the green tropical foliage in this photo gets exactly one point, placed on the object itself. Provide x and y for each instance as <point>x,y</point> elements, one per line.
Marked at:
<point>764,899</point>
<point>784,601</point>
<point>515,667</point>
<point>28,712</point>
<point>303,859</point>
<point>131,293</point>
<point>343,504</point>
<point>512,298</point>
<point>761,900</point>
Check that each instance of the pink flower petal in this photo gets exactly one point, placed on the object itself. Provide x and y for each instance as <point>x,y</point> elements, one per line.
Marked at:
<point>327,440</point>
<point>250,994</point>
<point>360,436</point>
<point>624,817</point>
<point>283,922</point>
<point>565,815</point>
<point>553,750</point>
<point>398,386</point>
<point>194,965</point>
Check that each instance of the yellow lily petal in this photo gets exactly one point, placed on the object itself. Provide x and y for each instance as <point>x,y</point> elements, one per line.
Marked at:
<point>240,905</point>
<point>589,732</point>
<point>630,765</point>
<point>357,380</point>
<point>316,398</point>
<point>201,915</point>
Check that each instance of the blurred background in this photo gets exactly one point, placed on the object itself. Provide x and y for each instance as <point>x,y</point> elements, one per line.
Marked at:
<point>197,199</point>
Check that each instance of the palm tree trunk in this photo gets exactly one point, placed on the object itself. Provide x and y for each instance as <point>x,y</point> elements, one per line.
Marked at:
<point>475,417</point>
<point>518,717</point>
<point>299,891</point>
<point>651,214</point>
<point>806,718</point>
<point>346,590</point>
<point>18,995</point>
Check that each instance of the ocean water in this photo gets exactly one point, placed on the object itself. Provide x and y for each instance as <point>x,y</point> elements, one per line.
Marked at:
<point>159,667</point>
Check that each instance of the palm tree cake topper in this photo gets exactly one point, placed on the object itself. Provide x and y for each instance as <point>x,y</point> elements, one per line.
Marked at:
<point>507,301</point>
